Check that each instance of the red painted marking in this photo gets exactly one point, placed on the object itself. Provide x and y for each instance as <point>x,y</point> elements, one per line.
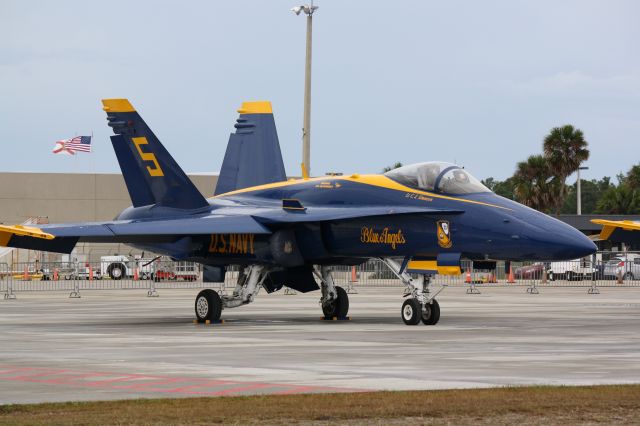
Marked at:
<point>236,389</point>
<point>185,389</point>
<point>153,383</point>
<point>15,370</point>
<point>30,377</point>
<point>149,383</point>
<point>71,379</point>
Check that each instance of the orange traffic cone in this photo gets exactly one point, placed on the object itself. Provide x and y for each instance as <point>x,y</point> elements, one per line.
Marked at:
<point>467,278</point>
<point>90,273</point>
<point>354,275</point>
<point>25,276</point>
<point>511,279</point>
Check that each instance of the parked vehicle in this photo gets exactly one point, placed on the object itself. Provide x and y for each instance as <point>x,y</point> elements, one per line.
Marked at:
<point>118,267</point>
<point>186,271</point>
<point>84,271</point>
<point>529,272</point>
<point>626,265</point>
<point>572,270</point>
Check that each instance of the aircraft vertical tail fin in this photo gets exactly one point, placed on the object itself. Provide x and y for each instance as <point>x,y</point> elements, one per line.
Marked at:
<point>152,176</point>
<point>253,155</point>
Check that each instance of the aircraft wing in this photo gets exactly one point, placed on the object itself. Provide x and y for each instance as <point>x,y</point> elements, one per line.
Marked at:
<point>62,238</point>
<point>299,214</point>
<point>624,231</point>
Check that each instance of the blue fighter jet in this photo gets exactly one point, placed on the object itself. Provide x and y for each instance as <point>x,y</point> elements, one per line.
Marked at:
<point>421,220</point>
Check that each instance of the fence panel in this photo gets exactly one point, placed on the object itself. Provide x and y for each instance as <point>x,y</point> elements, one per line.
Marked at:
<point>610,270</point>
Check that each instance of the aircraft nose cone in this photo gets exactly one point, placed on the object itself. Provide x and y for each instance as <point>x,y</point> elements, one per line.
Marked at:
<point>576,245</point>
<point>565,242</point>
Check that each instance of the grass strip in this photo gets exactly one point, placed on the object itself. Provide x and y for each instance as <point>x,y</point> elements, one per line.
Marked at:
<point>509,405</point>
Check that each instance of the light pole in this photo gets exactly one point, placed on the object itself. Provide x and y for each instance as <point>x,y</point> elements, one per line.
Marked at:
<point>308,10</point>
<point>579,190</point>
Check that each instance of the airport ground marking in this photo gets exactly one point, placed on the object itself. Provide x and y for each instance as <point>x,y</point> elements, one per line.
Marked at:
<point>134,382</point>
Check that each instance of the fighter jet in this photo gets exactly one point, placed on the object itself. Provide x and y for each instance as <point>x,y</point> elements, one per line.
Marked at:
<point>421,220</point>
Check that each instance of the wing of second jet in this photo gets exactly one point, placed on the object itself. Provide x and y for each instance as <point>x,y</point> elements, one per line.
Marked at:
<point>625,231</point>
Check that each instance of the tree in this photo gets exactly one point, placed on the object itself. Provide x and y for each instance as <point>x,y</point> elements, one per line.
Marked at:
<point>565,149</point>
<point>619,200</point>
<point>633,177</point>
<point>592,192</point>
<point>504,188</point>
<point>389,168</point>
<point>534,184</point>
<point>624,198</point>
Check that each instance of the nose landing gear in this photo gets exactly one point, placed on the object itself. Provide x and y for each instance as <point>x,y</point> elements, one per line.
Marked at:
<point>421,304</point>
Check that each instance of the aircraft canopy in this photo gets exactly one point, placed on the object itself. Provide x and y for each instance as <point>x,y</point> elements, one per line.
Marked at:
<point>437,176</point>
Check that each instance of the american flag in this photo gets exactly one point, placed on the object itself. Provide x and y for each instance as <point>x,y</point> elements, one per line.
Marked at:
<point>73,145</point>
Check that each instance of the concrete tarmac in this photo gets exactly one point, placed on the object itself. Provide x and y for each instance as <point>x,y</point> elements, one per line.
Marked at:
<point>121,344</point>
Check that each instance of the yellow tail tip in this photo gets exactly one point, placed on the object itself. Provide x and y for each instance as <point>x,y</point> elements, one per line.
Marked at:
<point>256,107</point>
<point>117,105</point>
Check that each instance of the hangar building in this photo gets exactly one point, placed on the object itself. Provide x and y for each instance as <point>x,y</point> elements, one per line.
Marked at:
<point>71,197</point>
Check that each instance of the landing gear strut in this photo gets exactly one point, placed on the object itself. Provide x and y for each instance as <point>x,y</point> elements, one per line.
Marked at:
<point>334,300</point>
<point>209,304</point>
<point>421,304</point>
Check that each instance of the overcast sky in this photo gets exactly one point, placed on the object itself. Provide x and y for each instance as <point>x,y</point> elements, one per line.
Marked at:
<point>475,82</point>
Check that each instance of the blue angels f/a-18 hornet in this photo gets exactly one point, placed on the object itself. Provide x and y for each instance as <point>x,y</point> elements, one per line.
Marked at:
<point>421,220</point>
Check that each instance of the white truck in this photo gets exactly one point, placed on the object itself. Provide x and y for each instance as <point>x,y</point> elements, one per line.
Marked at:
<point>119,266</point>
<point>571,270</point>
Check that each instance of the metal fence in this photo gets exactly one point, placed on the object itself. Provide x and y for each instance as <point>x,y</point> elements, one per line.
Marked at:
<point>607,269</point>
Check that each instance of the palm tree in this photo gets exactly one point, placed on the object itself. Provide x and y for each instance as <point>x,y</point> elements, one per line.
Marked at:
<point>619,200</point>
<point>565,148</point>
<point>534,185</point>
<point>633,177</point>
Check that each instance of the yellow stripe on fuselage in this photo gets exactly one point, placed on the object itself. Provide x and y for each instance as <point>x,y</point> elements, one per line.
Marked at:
<point>379,181</point>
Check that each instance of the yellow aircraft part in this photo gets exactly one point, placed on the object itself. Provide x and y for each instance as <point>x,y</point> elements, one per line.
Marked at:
<point>432,265</point>
<point>256,107</point>
<point>608,226</point>
<point>6,232</point>
<point>117,105</point>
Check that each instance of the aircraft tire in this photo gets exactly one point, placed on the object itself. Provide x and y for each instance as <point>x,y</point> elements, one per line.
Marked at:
<point>432,314</point>
<point>208,305</point>
<point>339,307</point>
<point>410,312</point>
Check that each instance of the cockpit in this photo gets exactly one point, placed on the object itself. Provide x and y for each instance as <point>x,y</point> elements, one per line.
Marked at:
<point>437,176</point>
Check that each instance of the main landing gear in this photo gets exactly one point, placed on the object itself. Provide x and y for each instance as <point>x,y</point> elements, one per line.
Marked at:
<point>209,304</point>
<point>334,299</point>
<point>421,304</point>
